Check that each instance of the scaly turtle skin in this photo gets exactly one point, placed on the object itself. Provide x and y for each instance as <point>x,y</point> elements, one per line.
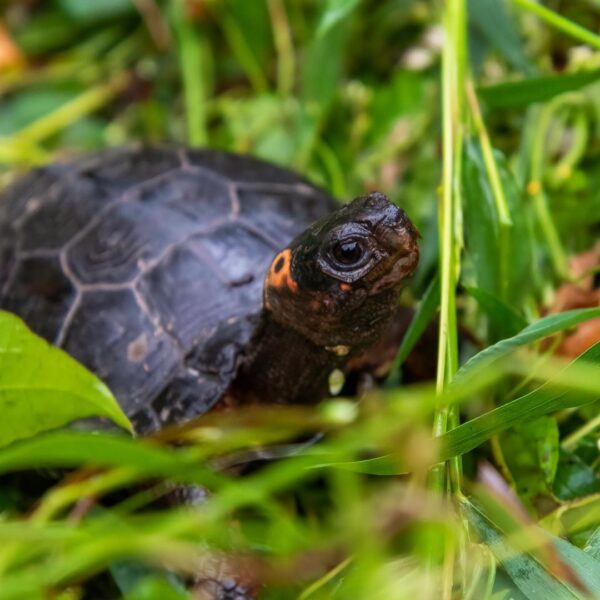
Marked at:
<point>148,267</point>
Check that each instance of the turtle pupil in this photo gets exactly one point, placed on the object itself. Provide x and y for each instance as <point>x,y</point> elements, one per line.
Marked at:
<point>348,253</point>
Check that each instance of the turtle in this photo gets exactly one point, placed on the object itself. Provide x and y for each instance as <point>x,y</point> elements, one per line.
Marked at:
<point>183,277</point>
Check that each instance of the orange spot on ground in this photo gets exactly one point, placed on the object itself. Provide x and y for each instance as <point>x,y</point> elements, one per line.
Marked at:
<point>345,287</point>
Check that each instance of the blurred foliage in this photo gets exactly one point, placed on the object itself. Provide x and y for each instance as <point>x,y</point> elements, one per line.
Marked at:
<point>349,93</point>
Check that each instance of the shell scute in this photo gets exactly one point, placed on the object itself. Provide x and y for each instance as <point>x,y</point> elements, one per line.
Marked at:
<point>237,255</point>
<point>38,286</point>
<point>188,296</point>
<point>281,215</point>
<point>102,333</point>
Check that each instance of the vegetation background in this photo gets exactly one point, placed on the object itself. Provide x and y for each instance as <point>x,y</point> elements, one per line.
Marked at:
<point>482,119</point>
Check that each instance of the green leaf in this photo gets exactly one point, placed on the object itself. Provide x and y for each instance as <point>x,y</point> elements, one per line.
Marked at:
<point>322,71</point>
<point>530,576</point>
<point>575,478</point>
<point>402,96</point>
<point>532,333</point>
<point>490,19</point>
<point>498,312</point>
<point>541,401</point>
<point>42,387</point>
<point>336,11</point>
<point>89,12</point>
<point>499,252</point>
<point>155,587</point>
<point>530,451</point>
<point>518,94</point>
<point>592,546</point>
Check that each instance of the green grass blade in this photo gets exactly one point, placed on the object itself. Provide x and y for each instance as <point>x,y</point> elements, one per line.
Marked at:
<point>519,94</point>
<point>526,571</point>
<point>561,23</point>
<point>321,72</point>
<point>194,58</point>
<point>493,22</point>
<point>541,401</point>
<point>72,449</point>
<point>532,333</point>
<point>502,315</point>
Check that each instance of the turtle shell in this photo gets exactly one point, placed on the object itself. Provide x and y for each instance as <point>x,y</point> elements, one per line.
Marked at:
<point>147,266</point>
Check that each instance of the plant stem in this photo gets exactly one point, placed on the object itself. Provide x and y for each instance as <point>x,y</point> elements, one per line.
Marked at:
<point>453,70</point>
<point>286,65</point>
<point>565,25</point>
<point>502,209</point>
<point>535,187</point>
<point>243,53</point>
<point>488,156</point>
<point>193,56</point>
<point>571,440</point>
<point>68,113</point>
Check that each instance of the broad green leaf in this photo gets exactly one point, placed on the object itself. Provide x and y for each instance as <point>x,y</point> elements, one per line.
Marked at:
<point>517,94</point>
<point>42,387</point>
<point>541,401</point>
<point>505,588</point>
<point>575,478</point>
<point>530,451</point>
<point>532,333</point>
<point>530,576</point>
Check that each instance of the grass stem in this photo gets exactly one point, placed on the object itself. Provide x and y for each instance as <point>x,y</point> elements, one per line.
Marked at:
<point>561,23</point>
<point>286,63</point>
<point>193,56</point>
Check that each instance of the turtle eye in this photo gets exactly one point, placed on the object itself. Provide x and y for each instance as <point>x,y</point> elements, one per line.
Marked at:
<point>348,252</point>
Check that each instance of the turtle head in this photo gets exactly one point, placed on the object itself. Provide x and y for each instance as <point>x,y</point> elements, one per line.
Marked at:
<point>338,282</point>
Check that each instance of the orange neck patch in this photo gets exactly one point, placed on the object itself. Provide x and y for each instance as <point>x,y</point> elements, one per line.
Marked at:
<point>280,273</point>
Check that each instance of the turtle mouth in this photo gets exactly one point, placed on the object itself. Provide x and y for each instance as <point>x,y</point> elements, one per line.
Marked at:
<point>402,239</point>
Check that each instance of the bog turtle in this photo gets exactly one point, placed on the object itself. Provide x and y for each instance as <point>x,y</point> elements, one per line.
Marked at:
<point>181,276</point>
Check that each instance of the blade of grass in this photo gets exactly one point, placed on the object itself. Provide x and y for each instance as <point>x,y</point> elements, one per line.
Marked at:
<point>286,62</point>
<point>536,331</point>
<point>545,399</point>
<point>450,220</point>
<point>194,59</point>
<point>561,23</point>
<point>68,113</point>
<point>519,94</point>
<point>243,51</point>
